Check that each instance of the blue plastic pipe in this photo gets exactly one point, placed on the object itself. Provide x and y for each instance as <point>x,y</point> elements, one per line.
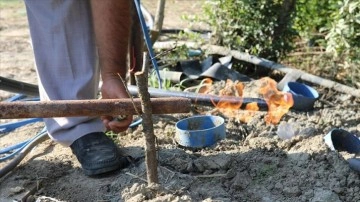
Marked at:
<point>148,40</point>
<point>7,127</point>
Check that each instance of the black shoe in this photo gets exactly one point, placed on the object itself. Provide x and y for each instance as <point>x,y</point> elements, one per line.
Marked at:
<point>98,154</point>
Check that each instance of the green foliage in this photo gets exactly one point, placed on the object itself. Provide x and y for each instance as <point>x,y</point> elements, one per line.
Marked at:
<point>344,35</point>
<point>10,3</point>
<point>343,39</point>
<point>313,15</point>
<point>169,59</point>
<point>154,81</point>
<point>166,83</point>
<point>190,36</point>
<point>262,27</point>
<point>17,5</point>
<point>172,56</point>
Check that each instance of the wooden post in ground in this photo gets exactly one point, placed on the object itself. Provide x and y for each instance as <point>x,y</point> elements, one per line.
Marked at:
<point>159,19</point>
<point>150,148</point>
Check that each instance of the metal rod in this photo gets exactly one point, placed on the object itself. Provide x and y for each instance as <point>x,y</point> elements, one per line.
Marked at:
<point>196,98</point>
<point>71,108</point>
<point>202,99</point>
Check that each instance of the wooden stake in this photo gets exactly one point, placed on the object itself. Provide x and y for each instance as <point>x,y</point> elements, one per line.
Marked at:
<point>158,22</point>
<point>150,149</point>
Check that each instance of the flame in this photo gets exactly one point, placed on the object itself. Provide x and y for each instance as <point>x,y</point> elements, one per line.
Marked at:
<point>231,89</point>
<point>278,102</point>
<point>231,100</point>
<point>205,86</point>
<point>251,108</point>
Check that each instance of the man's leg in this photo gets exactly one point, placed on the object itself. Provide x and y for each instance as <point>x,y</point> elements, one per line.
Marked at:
<point>64,48</point>
<point>65,55</point>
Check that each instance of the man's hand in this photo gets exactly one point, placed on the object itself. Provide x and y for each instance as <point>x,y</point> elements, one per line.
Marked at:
<point>114,88</point>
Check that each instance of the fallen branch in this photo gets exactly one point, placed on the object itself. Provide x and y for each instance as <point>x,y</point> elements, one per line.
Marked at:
<point>306,53</point>
<point>210,176</point>
<point>212,49</point>
<point>135,176</point>
<point>34,188</point>
<point>173,44</point>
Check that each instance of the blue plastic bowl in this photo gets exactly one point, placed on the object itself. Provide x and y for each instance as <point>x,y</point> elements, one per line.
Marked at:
<point>342,140</point>
<point>200,131</point>
<point>304,96</point>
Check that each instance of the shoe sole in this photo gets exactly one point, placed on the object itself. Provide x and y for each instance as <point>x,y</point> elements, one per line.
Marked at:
<point>123,162</point>
<point>101,170</point>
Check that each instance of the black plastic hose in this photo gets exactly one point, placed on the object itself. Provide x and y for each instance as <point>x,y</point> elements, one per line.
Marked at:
<point>18,87</point>
<point>202,99</point>
<point>196,98</point>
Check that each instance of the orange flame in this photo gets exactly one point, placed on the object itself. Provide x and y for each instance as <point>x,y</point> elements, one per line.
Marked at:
<point>251,109</point>
<point>231,89</point>
<point>229,106</point>
<point>278,102</point>
<point>205,86</point>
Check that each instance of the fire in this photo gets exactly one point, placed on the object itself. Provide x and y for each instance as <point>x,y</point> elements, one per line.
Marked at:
<point>231,89</point>
<point>205,86</point>
<point>231,100</point>
<point>278,102</point>
<point>251,109</point>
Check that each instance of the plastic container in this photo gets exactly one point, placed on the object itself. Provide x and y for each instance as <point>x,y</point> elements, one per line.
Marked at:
<point>287,131</point>
<point>342,140</point>
<point>200,131</point>
<point>304,96</point>
<point>354,164</point>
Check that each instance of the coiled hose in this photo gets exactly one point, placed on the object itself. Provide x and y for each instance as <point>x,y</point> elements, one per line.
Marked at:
<point>41,137</point>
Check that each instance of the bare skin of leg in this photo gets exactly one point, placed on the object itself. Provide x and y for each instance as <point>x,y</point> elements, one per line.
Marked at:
<point>112,21</point>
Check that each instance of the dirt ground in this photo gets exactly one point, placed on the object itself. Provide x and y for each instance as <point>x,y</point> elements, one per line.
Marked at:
<point>251,164</point>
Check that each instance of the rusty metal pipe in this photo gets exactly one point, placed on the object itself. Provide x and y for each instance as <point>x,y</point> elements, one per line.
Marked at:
<point>71,108</point>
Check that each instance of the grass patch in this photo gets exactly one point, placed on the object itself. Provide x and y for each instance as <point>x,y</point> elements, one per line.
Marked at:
<point>265,172</point>
<point>11,10</point>
<point>11,4</point>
